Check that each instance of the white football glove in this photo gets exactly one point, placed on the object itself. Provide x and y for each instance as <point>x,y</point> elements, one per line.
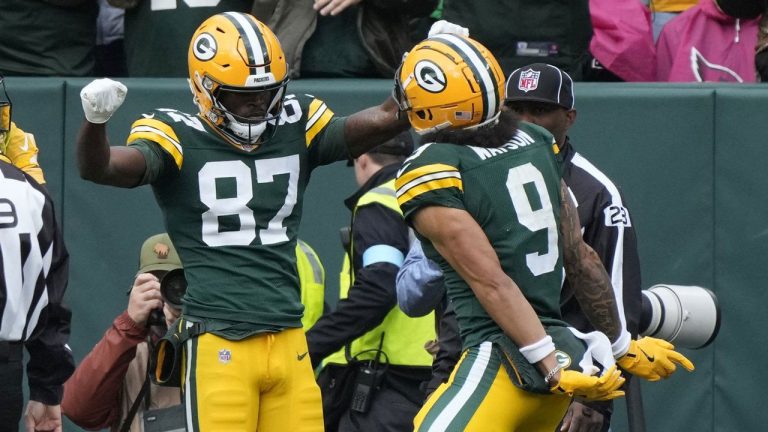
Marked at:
<point>101,98</point>
<point>445,27</point>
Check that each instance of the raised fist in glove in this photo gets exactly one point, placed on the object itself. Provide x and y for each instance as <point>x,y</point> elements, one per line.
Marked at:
<point>445,27</point>
<point>101,98</point>
<point>652,359</point>
<point>605,387</point>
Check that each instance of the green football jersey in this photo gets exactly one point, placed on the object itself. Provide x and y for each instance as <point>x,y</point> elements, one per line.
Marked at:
<point>233,212</point>
<point>513,192</point>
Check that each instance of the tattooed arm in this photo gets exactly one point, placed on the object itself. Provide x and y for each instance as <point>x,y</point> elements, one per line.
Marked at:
<point>585,271</point>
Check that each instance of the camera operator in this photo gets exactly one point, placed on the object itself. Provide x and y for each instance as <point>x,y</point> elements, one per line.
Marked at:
<point>108,386</point>
<point>104,387</point>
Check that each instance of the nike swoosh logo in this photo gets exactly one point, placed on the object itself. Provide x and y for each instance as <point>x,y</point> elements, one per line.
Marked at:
<point>300,357</point>
<point>148,116</point>
<point>650,358</point>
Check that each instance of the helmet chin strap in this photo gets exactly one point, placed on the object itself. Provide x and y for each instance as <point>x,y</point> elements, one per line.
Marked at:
<point>250,132</point>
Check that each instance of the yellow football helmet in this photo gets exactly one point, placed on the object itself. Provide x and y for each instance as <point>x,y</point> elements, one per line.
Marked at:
<point>449,82</point>
<point>235,52</point>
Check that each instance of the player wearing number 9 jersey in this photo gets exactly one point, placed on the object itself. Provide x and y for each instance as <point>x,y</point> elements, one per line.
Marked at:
<point>513,192</point>
<point>485,196</point>
<point>230,183</point>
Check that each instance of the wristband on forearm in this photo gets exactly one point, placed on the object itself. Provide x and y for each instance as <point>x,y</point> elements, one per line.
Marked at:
<point>536,351</point>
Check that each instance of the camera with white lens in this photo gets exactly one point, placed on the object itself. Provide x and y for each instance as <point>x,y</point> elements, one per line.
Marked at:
<point>686,316</point>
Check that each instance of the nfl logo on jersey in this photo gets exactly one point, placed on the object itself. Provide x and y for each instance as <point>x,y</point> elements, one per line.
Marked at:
<point>529,80</point>
<point>225,356</point>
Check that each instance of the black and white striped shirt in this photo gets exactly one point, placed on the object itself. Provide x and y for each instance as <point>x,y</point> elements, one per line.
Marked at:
<point>33,278</point>
<point>608,229</point>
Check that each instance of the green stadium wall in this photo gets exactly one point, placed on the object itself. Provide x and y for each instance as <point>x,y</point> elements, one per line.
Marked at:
<point>688,159</point>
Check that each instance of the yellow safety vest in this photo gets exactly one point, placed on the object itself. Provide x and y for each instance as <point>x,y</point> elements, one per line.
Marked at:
<point>404,337</point>
<point>312,281</point>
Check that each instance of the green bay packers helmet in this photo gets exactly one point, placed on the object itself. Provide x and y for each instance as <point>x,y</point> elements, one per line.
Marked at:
<point>235,52</point>
<point>449,82</point>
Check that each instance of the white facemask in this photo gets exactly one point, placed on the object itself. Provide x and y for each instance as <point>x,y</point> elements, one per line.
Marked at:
<point>251,132</point>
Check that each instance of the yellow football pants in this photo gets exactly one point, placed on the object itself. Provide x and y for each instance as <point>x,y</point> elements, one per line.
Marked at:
<point>479,396</point>
<point>262,383</point>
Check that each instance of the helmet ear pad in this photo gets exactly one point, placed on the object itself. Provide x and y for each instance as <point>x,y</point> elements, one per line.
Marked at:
<point>204,100</point>
<point>449,82</point>
<point>235,52</point>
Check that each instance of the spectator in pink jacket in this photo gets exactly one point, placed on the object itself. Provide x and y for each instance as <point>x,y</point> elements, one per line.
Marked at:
<point>713,41</point>
<point>622,40</point>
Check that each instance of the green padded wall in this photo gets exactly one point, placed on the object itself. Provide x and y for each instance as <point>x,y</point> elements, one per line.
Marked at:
<point>658,145</point>
<point>688,158</point>
<point>740,253</point>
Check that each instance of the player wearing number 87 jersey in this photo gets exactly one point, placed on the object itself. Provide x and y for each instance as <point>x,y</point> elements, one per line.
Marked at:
<point>224,206</point>
<point>485,195</point>
<point>230,182</point>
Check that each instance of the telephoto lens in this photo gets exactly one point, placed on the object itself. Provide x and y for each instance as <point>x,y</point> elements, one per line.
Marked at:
<point>173,286</point>
<point>687,316</point>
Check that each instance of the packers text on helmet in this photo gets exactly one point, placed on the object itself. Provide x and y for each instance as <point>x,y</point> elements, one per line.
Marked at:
<point>449,82</point>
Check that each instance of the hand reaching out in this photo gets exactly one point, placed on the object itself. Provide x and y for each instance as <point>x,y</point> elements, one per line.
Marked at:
<point>652,359</point>
<point>577,384</point>
<point>581,418</point>
<point>447,27</point>
<point>333,7</point>
<point>41,417</point>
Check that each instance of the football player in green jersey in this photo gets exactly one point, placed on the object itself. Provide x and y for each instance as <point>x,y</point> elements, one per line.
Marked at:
<point>486,196</point>
<point>230,182</point>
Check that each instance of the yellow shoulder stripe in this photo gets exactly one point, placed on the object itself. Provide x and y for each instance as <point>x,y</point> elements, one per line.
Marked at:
<point>412,175</point>
<point>425,179</point>
<point>428,186</point>
<point>314,106</point>
<point>317,119</point>
<point>160,133</point>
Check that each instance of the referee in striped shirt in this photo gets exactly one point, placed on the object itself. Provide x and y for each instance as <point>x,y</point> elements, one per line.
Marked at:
<point>33,278</point>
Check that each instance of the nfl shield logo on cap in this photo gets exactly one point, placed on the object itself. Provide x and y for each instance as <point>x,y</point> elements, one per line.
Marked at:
<point>529,80</point>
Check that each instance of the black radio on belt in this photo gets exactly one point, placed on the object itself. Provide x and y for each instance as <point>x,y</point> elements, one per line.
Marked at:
<point>368,380</point>
<point>370,375</point>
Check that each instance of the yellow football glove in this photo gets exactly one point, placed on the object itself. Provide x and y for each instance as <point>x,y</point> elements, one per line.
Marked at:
<point>590,387</point>
<point>652,359</point>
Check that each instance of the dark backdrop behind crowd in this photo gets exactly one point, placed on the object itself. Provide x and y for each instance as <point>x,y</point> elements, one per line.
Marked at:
<point>689,158</point>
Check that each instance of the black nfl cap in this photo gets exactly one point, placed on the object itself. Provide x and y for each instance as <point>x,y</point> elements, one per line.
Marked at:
<point>540,82</point>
